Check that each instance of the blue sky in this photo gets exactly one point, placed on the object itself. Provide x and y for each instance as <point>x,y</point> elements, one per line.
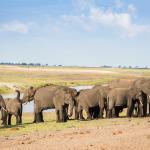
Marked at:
<point>75,32</point>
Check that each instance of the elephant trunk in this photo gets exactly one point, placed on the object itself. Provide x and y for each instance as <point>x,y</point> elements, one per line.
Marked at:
<point>71,105</point>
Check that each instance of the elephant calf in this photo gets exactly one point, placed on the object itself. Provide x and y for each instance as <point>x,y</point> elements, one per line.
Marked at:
<point>14,107</point>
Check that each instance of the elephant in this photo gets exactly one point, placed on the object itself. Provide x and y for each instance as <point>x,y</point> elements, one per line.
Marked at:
<point>122,83</point>
<point>14,107</point>
<point>3,111</point>
<point>45,98</point>
<point>91,98</point>
<point>124,98</point>
<point>137,99</point>
<point>61,100</point>
<point>144,85</point>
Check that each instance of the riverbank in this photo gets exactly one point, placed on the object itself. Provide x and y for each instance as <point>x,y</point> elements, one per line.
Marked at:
<point>12,77</point>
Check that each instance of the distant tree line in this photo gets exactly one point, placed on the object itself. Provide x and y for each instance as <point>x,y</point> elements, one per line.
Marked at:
<point>39,64</point>
<point>22,64</point>
<point>125,67</point>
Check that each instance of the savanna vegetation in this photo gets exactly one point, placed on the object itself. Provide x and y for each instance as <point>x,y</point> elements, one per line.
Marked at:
<point>23,76</point>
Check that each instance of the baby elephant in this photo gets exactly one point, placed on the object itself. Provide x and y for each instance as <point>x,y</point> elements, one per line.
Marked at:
<point>14,107</point>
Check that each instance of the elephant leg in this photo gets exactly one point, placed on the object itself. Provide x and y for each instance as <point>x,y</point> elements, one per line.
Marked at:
<point>20,116</point>
<point>101,112</point>
<point>41,114</point>
<point>88,114</point>
<point>66,113</point>
<point>4,117</point>
<point>61,114</point>
<point>109,113</point>
<point>148,108</point>
<point>76,113</point>
<point>81,115</point>
<point>96,114</point>
<point>117,110</point>
<point>57,115</point>
<point>34,121</point>
<point>17,119</point>
<point>145,107</point>
<point>130,110</point>
<point>136,112</point>
<point>130,107</point>
<point>38,117</point>
<point>9,119</point>
<point>140,111</point>
<point>91,112</point>
<point>80,110</point>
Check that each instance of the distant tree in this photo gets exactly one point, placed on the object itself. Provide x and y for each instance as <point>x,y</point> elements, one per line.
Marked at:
<point>137,67</point>
<point>130,67</point>
<point>145,67</point>
<point>24,64</point>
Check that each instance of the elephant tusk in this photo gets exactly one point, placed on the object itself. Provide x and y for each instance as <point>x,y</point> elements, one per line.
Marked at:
<point>141,103</point>
<point>4,109</point>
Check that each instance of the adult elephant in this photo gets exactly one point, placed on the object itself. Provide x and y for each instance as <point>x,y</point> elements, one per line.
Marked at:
<point>137,100</point>
<point>48,97</point>
<point>3,111</point>
<point>90,98</point>
<point>121,83</point>
<point>124,98</point>
<point>144,85</point>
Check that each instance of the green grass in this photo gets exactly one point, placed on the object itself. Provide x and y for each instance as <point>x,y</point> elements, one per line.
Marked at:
<point>51,125</point>
<point>5,90</point>
<point>24,77</point>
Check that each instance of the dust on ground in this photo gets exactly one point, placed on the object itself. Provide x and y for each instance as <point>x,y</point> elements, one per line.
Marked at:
<point>128,136</point>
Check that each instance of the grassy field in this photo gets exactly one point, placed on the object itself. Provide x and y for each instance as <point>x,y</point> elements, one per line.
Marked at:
<point>51,125</point>
<point>22,77</point>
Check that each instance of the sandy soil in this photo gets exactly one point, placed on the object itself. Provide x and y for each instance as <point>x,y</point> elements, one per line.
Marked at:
<point>59,70</point>
<point>131,136</point>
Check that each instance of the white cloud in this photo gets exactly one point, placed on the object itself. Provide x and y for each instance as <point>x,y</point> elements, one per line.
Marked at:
<point>14,26</point>
<point>96,16</point>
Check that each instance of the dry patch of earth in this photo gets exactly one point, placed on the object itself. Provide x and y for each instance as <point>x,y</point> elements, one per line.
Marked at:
<point>130,136</point>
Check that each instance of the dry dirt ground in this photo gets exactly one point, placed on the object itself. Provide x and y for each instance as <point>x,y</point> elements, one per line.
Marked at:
<point>132,135</point>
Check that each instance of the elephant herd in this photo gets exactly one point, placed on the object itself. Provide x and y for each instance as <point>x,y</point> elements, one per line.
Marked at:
<point>98,102</point>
